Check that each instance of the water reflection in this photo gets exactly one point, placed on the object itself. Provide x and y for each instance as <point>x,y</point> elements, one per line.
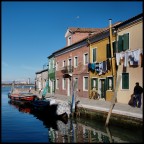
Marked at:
<point>75,132</point>
<point>81,130</point>
<point>47,116</point>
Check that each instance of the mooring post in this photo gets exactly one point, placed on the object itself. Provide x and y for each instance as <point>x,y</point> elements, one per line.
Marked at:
<point>113,100</point>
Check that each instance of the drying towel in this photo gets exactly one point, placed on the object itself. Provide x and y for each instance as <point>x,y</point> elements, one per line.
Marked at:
<point>126,59</point>
<point>97,67</point>
<point>100,68</point>
<point>136,55</point>
<point>118,56</point>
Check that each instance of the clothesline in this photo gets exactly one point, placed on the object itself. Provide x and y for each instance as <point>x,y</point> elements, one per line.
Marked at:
<point>131,56</point>
<point>131,51</point>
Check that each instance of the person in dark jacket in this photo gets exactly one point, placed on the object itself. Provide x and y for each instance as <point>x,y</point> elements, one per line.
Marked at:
<point>137,95</point>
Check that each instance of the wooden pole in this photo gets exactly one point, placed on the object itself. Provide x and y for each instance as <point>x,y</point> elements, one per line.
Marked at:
<point>110,27</point>
<point>113,99</point>
<point>109,134</point>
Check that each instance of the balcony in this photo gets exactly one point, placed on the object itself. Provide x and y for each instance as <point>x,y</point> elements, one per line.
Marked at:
<point>67,69</point>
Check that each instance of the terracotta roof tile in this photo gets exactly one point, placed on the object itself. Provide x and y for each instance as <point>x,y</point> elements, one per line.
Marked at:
<point>90,30</point>
<point>87,30</point>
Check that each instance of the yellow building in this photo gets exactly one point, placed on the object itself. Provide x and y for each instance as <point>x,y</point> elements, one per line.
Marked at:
<point>122,49</point>
<point>102,71</point>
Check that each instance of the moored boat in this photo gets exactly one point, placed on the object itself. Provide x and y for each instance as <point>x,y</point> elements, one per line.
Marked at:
<point>40,103</point>
<point>22,96</point>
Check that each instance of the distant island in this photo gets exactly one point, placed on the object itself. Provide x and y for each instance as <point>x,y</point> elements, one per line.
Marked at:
<point>17,84</point>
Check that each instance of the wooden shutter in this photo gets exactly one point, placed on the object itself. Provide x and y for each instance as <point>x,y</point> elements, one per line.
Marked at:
<point>114,48</point>
<point>126,41</point>
<point>91,83</point>
<point>120,43</point>
<point>112,83</point>
<point>106,83</point>
<point>96,83</point>
<point>125,81</point>
<point>94,54</point>
<point>108,51</point>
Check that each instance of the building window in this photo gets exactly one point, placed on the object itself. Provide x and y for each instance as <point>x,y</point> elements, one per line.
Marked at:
<point>108,49</point>
<point>75,61</point>
<point>64,83</point>
<point>125,80</point>
<point>75,83</point>
<point>69,62</point>
<point>123,42</point>
<point>109,83</point>
<point>94,55</point>
<point>69,40</point>
<point>94,83</point>
<point>85,83</point>
<point>53,64</point>
<point>86,58</point>
<point>57,66</point>
<point>57,83</point>
<point>64,63</point>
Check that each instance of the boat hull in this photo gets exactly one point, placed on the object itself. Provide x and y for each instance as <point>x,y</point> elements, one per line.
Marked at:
<point>22,97</point>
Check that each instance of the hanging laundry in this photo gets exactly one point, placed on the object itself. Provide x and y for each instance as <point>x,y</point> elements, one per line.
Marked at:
<point>97,67</point>
<point>126,59</point>
<point>93,67</point>
<point>136,55</point>
<point>131,58</point>
<point>118,57</point>
<point>100,68</point>
<point>121,55</point>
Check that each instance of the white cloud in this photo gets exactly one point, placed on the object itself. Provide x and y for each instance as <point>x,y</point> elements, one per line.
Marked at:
<point>77,17</point>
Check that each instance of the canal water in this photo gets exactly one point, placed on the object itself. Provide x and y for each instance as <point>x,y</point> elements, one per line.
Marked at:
<point>19,125</point>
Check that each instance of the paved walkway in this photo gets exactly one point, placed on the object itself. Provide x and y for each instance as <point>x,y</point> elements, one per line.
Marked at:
<point>101,105</point>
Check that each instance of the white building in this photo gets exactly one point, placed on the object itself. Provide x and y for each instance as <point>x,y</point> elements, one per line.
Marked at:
<point>41,78</point>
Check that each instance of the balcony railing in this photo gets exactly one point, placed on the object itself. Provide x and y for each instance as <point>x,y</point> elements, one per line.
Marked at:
<point>67,69</point>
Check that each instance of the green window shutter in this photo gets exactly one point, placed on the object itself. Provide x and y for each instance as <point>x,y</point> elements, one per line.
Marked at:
<point>125,81</point>
<point>108,50</point>
<point>114,48</point>
<point>120,43</point>
<point>96,83</point>
<point>112,83</point>
<point>91,83</point>
<point>126,41</point>
<point>94,54</point>
<point>106,83</point>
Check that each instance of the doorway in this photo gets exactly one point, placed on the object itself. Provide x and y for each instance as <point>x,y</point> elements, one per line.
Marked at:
<point>102,88</point>
<point>68,86</point>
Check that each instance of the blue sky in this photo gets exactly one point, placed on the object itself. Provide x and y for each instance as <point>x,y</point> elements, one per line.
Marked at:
<point>31,31</point>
